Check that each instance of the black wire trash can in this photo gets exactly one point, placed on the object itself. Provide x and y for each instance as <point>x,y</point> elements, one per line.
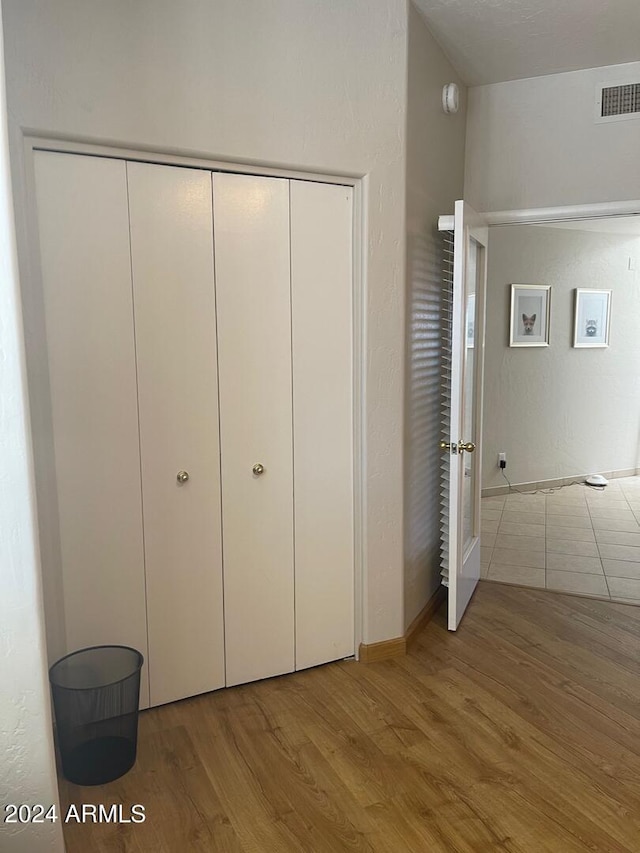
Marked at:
<point>95,698</point>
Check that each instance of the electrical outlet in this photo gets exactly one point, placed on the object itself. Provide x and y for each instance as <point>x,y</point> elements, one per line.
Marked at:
<point>502,460</point>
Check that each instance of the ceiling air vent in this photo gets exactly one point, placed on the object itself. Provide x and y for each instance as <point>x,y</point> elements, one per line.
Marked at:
<point>614,103</point>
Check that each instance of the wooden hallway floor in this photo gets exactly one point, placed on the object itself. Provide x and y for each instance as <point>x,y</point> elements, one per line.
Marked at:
<point>519,733</point>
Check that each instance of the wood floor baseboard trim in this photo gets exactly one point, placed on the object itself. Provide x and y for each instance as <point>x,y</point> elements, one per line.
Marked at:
<point>397,647</point>
<point>385,650</point>
<point>425,615</point>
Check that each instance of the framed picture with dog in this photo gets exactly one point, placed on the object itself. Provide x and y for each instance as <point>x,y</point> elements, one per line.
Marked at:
<point>592,318</point>
<point>530,315</point>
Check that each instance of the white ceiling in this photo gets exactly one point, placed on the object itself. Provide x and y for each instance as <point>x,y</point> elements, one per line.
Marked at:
<point>489,41</point>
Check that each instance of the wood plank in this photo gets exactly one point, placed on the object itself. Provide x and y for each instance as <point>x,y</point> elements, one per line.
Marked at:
<point>498,737</point>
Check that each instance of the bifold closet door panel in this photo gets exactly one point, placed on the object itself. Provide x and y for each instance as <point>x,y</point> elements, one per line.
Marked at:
<point>251,217</point>
<point>322,320</point>
<point>86,279</point>
<point>175,322</point>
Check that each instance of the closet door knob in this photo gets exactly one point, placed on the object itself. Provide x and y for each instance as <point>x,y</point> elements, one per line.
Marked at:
<point>258,469</point>
<point>182,476</point>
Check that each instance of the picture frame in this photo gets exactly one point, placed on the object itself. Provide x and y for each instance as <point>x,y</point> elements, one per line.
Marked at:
<point>530,315</point>
<point>592,318</point>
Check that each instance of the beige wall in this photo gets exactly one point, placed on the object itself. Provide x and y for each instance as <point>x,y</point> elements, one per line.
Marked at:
<point>435,161</point>
<point>534,143</point>
<point>316,85</point>
<point>27,769</point>
<point>559,411</point>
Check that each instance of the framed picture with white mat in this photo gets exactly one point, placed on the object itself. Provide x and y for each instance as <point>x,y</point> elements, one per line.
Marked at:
<point>592,318</point>
<point>530,315</point>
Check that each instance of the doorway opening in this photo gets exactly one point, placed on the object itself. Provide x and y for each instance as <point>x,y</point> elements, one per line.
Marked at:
<point>563,410</point>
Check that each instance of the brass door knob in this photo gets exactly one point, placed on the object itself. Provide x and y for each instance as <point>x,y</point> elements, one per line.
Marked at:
<point>469,446</point>
<point>258,469</point>
<point>182,476</point>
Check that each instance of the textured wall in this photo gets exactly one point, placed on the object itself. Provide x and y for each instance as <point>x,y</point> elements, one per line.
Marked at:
<point>27,772</point>
<point>312,84</point>
<point>513,39</point>
<point>535,143</point>
<point>435,159</point>
<point>558,411</point>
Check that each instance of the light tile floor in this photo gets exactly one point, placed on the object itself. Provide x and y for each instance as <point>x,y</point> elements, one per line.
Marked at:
<point>576,539</point>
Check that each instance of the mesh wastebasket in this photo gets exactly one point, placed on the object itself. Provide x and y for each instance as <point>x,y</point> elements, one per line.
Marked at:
<point>95,698</point>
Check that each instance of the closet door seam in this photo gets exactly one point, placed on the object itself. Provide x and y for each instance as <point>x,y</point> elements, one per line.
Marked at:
<point>135,352</point>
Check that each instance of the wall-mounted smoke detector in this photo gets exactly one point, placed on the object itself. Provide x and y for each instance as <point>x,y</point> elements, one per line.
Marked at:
<point>617,102</point>
<point>450,98</point>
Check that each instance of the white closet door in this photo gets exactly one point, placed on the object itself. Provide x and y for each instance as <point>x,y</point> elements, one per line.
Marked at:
<point>86,278</point>
<point>321,287</point>
<point>174,300</point>
<point>254,326</point>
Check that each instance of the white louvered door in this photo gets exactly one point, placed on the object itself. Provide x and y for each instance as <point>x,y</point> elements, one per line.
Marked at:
<point>463,361</point>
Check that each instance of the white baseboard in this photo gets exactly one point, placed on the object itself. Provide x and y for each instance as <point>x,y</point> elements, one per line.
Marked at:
<point>556,483</point>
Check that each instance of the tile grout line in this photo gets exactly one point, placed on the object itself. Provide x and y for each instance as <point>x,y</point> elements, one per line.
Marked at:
<point>606,581</point>
<point>601,558</point>
<point>495,534</point>
<point>505,507</point>
<point>565,516</point>
<point>546,586</point>
<point>625,500</point>
<point>518,508</point>
<point>587,574</point>
<point>493,547</point>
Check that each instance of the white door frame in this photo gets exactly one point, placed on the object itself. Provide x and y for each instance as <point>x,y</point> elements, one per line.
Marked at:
<point>26,226</point>
<point>536,215</point>
<point>530,216</point>
<point>561,213</point>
